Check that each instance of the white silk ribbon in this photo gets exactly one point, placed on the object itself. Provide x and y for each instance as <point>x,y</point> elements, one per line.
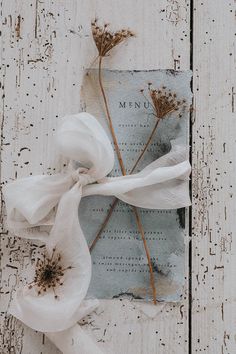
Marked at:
<point>38,201</point>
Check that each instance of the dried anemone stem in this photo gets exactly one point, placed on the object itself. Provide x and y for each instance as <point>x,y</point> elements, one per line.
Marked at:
<point>105,41</point>
<point>48,273</point>
<point>163,104</point>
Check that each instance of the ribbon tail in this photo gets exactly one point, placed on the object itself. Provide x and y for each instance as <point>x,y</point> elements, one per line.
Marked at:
<point>163,184</point>
<point>74,341</point>
<point>31,201</point>
<point>170,194</point>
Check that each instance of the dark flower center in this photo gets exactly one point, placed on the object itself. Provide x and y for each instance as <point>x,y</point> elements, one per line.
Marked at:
<point>49,273</point>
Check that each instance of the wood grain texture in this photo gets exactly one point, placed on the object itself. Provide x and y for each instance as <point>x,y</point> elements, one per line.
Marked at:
<point>214,189</point>
<point>44,45</point>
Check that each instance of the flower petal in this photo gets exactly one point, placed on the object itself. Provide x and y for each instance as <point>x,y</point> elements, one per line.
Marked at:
<point>45,313</point>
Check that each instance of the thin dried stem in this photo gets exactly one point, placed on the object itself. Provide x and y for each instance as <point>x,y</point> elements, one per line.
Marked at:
<point>104,224</point>
<point>163,103</point>
<point>113,205</point>
<point>166,109</point>
<point>141,230</point>
<point>123,170</point>
<point>146,146</point>
<point>109,118</point>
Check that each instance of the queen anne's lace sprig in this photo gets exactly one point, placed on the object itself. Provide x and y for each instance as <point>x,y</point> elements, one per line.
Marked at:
<point>54,300</point>
<point>106,40</point>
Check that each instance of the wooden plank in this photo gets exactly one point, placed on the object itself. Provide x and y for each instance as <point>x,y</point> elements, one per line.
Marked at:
<point>214,189</point>
<point>45,45</point>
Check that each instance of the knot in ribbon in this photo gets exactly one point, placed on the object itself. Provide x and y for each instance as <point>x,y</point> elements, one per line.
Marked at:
<point>53,201</point>
<point>81,175</point>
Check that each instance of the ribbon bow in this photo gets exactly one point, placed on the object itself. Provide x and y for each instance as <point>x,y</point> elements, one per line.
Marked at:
<point>42,200</point>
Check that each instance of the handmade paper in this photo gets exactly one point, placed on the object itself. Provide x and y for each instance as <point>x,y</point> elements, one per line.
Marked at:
<point>119,262</point>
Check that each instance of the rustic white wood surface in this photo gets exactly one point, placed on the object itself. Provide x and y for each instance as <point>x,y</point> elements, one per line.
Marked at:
<point>214,162</point>
<point>43,49</point>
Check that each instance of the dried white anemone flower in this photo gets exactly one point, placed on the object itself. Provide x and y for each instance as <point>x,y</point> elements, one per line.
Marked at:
<point>36,304</point>
<point>53,301</point>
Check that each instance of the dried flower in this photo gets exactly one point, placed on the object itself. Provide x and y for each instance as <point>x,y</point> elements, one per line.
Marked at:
<point>64,269</point>
<point>49,273</point>
<point>105,40</point>
<point>164,101</point>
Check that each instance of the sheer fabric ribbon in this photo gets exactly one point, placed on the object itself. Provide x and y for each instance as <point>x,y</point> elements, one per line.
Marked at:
<point>38,201</point>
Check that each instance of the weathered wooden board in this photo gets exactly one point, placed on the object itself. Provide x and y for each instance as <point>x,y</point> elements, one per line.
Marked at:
<point>44,46</point>
<point>214,204</point>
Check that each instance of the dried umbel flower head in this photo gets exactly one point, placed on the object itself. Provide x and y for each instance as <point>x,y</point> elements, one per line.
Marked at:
<point>105,40</point>
<point>49,273</point>
<point>164,101</point>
